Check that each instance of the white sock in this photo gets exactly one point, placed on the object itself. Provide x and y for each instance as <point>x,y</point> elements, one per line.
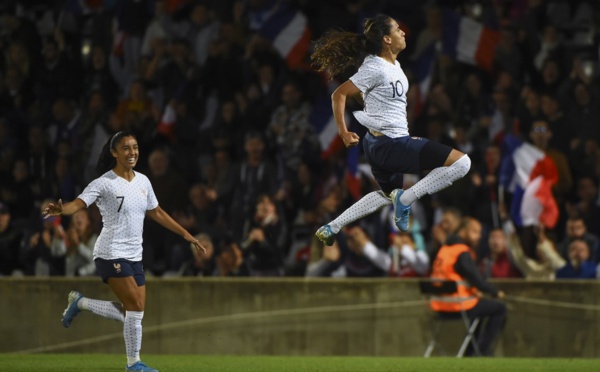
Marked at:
<point>106,309</point>
<point>368,204</point>
<point>132,333</point>
<point>438,179</point>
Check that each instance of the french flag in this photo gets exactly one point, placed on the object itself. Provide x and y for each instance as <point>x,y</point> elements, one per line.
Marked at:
<point>530,174</point>
<point>469,41</point>
<point>287,28</point>
<point>324,122</point>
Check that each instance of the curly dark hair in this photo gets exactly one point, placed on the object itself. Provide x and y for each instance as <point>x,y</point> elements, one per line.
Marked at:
<point>339,51</point>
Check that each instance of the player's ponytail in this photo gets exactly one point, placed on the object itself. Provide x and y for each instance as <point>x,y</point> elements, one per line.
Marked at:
<point>106,161</point>
<point>339,52</point>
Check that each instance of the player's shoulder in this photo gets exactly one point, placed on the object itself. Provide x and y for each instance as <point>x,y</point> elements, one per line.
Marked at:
<point>141,177</point>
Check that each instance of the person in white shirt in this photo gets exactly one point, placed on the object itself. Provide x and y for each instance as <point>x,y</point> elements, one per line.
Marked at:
<point>124,198</point>
<point>381,86</point>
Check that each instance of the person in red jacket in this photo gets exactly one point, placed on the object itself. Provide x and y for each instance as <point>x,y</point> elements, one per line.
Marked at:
<point>498,263</point>
<point>456,261</point>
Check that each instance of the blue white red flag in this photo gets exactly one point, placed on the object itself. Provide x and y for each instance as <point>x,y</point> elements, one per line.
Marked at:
<point>287,28</point>
<point>529,174</point>
<point>469,41</point>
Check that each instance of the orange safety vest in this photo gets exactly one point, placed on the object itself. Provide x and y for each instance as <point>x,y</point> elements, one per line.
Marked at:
<point>443,269</point>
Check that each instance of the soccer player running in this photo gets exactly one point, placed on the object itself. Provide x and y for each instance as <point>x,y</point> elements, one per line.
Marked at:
<point>381,86</point>
<point>124,197</point>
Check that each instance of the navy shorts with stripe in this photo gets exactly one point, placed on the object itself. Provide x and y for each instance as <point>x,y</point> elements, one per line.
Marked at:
<point>390,158</point>
<point>120,268</point>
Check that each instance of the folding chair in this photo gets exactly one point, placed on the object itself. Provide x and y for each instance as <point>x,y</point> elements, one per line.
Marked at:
<point>439,290</point>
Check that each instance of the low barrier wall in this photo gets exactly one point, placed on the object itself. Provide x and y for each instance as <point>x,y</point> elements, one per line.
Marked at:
<point>383,317</point>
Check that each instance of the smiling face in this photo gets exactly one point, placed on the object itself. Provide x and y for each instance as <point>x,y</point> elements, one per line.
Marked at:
<point>126,152</point>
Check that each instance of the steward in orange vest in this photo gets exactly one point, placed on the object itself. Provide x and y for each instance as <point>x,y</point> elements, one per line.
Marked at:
<point>456,261</point>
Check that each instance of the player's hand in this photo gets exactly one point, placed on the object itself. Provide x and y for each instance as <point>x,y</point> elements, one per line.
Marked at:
<point>193,241</point>
<point>350,139</point>
<point>53,209</point>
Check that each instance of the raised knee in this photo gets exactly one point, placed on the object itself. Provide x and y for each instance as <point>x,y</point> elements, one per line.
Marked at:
<point>463,165</point>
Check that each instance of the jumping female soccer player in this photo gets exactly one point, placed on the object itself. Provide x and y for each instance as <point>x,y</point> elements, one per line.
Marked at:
<point>124,197</point>
<point>381,86</point>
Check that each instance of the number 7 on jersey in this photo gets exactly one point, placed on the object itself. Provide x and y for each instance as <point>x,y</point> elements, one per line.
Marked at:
<point>120,205</point>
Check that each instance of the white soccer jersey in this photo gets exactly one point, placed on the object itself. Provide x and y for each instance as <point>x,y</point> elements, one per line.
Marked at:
<point>383,86</point>
<point>123,207</point>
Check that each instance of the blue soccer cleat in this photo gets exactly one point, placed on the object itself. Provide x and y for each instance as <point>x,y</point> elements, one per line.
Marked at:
<point>401,212</point>
<point>72,310</point>
<point>325,235</point>
<point>139,366</point>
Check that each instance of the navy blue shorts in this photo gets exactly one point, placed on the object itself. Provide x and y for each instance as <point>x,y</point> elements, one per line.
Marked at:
<point>390,158</point>
<point>120,268</point>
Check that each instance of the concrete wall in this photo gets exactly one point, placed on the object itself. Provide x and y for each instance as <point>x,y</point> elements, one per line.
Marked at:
<point>291,317</point>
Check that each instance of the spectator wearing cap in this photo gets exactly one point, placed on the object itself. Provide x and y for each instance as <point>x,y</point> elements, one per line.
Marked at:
<point>10,240</point>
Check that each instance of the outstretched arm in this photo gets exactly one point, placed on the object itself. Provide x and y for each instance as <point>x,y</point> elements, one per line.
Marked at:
<point>66,209</point>
<point>338,102</point>
<point>160,216</point>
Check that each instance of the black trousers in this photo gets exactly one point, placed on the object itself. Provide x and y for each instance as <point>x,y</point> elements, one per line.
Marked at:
<point>493,316</point>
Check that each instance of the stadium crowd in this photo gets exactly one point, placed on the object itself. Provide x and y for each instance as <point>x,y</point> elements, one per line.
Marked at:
<point>231,140</point>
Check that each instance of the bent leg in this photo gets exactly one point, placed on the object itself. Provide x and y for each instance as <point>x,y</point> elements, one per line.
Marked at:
<point>106,309</point>
<point>495,312</point>
<point>439,178</point>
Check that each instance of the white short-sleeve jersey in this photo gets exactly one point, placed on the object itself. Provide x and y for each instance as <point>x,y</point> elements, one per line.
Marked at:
<point>383,86</point>
<point>123,205</point>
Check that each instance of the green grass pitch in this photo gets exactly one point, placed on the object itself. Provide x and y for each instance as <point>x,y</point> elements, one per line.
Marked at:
<point>180,363</point>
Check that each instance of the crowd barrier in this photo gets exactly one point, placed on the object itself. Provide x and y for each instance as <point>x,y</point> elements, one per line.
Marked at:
<point>379,317</point>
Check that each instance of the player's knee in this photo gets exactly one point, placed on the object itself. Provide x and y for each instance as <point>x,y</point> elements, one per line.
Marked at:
<point>463,165</point>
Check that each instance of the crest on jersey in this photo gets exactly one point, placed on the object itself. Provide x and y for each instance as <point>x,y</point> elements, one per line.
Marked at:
<point>117,267</point>
<point>144,192</point>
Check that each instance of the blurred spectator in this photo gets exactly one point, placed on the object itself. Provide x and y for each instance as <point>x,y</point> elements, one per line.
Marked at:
<point>545,266</point>
<point>579,264</point>
<point>264,240</point>
<point>407,259</point>
<point>10,242</point>
<point>199,30</point>
<point>576,229</point>
<point>18,191</point>
<point>98,78</point>
<point>498,263</point>
<point>364,259</point>
<point>66,124</point>
<point>80,243</point>
<point>58,75</point>
<point>323,259</point>
<point>252,177</point>
<point>44,247</point>
<point>230,262</point>
<point>484,180</point>
<point>95,130</point>
<point>561,133</point>
<point>201,264</point>
<point>586,204</point>
<point>138,113</point>
<point>291,133</point>
<point>171,189</point>
<point>508,57</point>
<point>443,230</point>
